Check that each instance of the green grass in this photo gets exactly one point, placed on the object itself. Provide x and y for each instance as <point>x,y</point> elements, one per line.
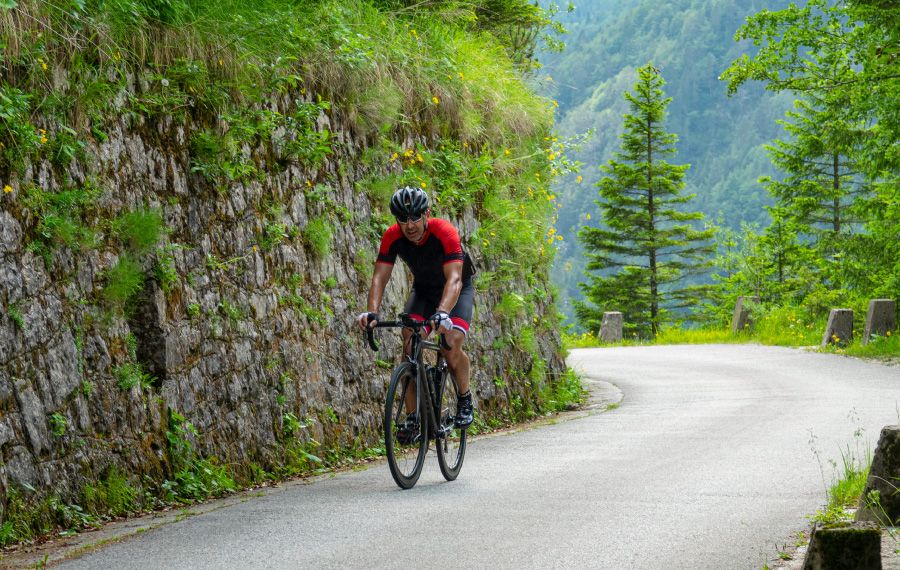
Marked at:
<point>675,335</point>
<point>887,346</point>
<point>317,236</point>
<point>139,230</point>
<point>123,281</point>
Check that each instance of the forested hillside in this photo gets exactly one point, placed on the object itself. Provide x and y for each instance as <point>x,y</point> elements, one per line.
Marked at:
<point>691,42</point>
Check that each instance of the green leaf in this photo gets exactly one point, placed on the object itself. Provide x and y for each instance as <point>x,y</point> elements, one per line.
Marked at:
<point>8,4</point>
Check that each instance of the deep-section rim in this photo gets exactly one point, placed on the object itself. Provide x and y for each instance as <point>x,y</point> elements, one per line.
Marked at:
<point>403,480</point>
<point>450,460</point>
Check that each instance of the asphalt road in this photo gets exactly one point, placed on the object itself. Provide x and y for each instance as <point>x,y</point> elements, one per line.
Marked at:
<point>715,455</point>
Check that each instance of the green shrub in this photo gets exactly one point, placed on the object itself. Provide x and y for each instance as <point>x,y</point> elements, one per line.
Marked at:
<point>140,230</point>
<point>195,478</point>
<point>132,374</point>
<point>317,236</point>
<point>58,424</point>
<point>123,281</point>
<point>112,495</point>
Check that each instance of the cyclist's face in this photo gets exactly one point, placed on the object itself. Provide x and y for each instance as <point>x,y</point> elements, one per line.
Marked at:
<point>414,228</point>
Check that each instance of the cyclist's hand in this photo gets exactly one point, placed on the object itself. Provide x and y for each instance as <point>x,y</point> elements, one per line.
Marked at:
<point>367,320</point>
<point>442,322</point>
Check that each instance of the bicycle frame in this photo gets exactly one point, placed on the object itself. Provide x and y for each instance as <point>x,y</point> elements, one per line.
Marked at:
<point>415,357</point>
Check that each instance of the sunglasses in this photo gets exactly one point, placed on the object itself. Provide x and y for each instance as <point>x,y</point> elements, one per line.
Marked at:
<point>409,219</point>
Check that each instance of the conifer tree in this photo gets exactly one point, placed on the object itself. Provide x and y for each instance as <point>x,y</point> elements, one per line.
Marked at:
<point>646,245</point>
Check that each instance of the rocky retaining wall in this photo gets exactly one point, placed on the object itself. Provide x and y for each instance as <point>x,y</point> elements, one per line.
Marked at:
<point>252,329</point>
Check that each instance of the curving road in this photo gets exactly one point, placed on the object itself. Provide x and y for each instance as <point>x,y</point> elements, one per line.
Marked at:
<point>715,454</point>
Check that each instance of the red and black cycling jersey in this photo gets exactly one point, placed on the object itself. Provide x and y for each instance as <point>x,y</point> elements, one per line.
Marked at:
<point>439,246</point>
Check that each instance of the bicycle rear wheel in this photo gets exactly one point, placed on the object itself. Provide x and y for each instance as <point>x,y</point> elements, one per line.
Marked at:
<point>451,440</point>
<point>405,439</point>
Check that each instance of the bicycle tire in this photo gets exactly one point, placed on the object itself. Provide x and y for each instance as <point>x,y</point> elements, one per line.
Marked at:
<point>451,443</point>
<point>405,451</point>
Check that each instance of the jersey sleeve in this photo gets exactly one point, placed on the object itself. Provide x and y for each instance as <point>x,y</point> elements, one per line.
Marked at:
<point>449,238</point>
<point>387,252</point>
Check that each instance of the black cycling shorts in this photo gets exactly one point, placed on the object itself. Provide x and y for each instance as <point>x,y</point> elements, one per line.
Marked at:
<point>421,306</point>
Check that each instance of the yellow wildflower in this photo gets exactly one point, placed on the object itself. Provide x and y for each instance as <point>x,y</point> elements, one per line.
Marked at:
<point>587,217</point>
<point>7,189</point>
<point>579,179</point>
<point>888,333</point>
<point>435,100</point>
<point>308,183</point>
<point>461,76</point>
<point>551,156</point>
<point>419,157</point>
<point>558,238</point>
<point>506,152</point>
<point>394,157</point>
<point>43,64</point>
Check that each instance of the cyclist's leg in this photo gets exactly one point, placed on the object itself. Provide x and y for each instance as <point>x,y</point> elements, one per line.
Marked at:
<point>417,308</point>
<point>461,315</point>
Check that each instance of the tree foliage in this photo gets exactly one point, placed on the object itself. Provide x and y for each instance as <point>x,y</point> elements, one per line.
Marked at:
<point>647,240</point>
<point>841,163</point>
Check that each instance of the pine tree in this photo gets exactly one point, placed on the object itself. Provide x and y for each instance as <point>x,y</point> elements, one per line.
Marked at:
<point>822,186</point>
<point>647,244</point>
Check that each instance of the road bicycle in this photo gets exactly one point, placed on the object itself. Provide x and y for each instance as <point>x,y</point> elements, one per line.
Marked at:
<point>420,407</point>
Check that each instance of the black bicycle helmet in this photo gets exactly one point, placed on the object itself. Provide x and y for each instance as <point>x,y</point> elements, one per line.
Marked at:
<point>409,201</point>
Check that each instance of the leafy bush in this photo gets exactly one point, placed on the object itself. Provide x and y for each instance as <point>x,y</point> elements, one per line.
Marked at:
<point>139,230</point>
<point>123,281</point>
<point>317,236</point>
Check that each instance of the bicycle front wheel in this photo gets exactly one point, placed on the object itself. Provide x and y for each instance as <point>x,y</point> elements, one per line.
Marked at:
<point>405,427</point>
<point>450,440</point>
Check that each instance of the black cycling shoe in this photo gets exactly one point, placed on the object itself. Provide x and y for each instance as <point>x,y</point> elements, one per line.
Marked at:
<point>408,431</point>
<point>464,416</point>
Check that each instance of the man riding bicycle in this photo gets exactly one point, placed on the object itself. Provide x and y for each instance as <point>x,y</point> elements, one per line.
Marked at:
<point>442,285</point>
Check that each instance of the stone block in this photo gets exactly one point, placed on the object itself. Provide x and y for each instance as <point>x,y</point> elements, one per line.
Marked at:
<point>844,546</point>
<point>839,330</point>
<point>880,500</point>
<point>611,327</point>
<point>881,318</point>
<point>742,318</point>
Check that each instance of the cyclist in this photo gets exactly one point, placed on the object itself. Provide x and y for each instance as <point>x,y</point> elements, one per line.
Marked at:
<point>442,286</point>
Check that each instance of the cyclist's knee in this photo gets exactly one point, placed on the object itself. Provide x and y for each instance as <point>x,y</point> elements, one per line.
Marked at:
<point>455,340</point>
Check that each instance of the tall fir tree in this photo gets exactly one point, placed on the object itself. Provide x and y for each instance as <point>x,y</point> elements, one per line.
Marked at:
<point>647,244</point>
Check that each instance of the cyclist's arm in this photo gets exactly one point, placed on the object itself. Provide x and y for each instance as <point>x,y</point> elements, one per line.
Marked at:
<point>453,275</point>
<point>380,278</point>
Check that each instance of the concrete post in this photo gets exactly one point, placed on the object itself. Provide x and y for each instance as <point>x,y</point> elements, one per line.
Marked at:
<point>881,318</point>
<point>611,327</point>
<point>742,318</point>
<point>839,330</point>
<point>883,477</point>
<point>844,545</point>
